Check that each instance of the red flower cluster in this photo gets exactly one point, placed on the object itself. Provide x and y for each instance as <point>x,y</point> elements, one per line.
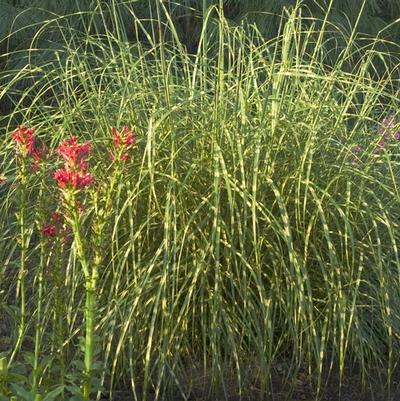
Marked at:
<point>27,145</point>
<point>25,138</point>
<point>49,230</point>
<point>75,179</point>
<point>122,141</point>
<point>74,174</point>
<point>74,153</point>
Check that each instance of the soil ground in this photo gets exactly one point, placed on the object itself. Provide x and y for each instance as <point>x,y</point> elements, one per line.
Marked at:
<point>350,389</point>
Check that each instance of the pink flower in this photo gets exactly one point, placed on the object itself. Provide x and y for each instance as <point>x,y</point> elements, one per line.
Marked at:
<point>388,123</point>
<point>397,136</point>
<point>356,149</point>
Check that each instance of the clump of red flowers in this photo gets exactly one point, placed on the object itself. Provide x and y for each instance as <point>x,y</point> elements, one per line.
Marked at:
<point>123,142</point>
<point>74,175</point>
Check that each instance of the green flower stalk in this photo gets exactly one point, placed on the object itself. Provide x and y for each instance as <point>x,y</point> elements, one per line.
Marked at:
<point>44,257</point>
<point>27,155</point>
<point>71,180</point>
<point>59,306</point>
<point>56,235</point>
<point>38,327</point>
<point>90,305</point>
<point>22,240</point>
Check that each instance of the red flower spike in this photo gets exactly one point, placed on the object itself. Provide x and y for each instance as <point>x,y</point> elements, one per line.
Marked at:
<point>74,174</point>
<point>74,153</point>
<point>56,226</point>
<point>24,136</point>
<point>117,139</point>
<point>26,142</point>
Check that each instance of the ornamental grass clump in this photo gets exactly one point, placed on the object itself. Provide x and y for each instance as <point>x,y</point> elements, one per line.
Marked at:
<point>240,230</point>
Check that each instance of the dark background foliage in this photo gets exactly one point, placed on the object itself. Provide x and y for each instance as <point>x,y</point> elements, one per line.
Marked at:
<point>376,14</point>
<point>21,23</point>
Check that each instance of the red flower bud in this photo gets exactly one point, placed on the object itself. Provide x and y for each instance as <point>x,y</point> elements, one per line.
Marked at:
<point>122,142</point>
<point>49,230</point>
